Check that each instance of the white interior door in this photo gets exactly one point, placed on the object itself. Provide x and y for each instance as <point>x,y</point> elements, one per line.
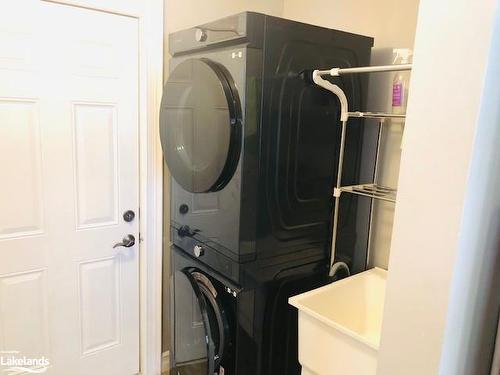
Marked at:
<point>69,170</point>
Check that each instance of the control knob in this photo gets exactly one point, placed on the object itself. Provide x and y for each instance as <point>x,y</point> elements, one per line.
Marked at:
<point>201,35</point>
<point>198,251</point>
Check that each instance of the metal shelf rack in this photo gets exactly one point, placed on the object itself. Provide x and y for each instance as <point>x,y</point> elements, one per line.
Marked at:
<point>371,190</point>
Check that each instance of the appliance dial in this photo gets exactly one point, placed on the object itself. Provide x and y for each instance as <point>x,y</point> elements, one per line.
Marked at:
<point>198,251</point>
<point>201,35</point>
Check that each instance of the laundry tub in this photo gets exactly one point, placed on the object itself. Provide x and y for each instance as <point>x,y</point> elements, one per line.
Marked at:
<point>340,325</point>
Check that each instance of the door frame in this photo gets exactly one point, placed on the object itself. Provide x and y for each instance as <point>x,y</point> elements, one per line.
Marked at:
<point>149,14</point>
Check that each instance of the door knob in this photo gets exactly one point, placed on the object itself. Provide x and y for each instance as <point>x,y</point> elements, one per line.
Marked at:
<point>128,241</point>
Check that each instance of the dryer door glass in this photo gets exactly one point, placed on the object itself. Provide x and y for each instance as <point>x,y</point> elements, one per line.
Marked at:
<point>200,325</point>
<point>200,125</point>
<point>194,348</point>
<point>216,316</point>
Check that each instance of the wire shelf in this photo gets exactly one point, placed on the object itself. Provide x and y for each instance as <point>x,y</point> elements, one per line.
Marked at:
<point>375,115</point>
<point>373,191</point>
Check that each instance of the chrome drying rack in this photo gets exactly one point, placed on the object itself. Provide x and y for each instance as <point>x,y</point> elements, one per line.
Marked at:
<point>371,190</point>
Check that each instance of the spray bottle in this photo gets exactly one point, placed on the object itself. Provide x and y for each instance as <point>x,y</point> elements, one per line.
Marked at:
<point>401,81</point>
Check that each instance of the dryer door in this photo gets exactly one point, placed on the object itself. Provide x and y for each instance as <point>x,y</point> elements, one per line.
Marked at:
<point>200,125</point>
<point>200,327</point>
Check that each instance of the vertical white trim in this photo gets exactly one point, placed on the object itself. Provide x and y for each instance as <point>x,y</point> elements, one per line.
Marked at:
<point>151,52</point>
<point>440,130</point>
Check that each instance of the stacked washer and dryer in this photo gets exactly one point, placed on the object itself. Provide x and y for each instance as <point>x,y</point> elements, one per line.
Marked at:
<point>252,149</point>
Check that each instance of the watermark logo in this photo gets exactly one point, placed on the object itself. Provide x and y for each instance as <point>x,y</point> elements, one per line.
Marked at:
<point>12,363</point>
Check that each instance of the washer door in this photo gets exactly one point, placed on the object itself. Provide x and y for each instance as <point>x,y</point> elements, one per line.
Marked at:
<point>200,125</point>
<point>200,326</point>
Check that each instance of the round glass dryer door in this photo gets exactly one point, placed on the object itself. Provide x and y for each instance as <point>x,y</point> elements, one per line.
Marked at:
<point>200,125</point>
<point>200,326</point>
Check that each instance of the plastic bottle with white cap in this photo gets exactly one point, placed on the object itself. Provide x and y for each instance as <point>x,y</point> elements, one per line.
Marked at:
<point>401,81</point>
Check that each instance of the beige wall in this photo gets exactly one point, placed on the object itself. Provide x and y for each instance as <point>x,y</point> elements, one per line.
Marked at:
<point>392,23</point>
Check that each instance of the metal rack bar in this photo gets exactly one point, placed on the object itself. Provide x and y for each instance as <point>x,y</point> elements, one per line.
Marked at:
<point>375,115</point>
<point>375,178</point>
<point>337,196</point>
<point>365,69</point>
<point>372,191</point>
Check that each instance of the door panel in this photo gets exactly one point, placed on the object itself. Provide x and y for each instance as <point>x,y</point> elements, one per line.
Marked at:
<point>99,304</point>
<point>69,158</point>
<point>23,297</point>
<point>21,192</point>
<point>96,162</point>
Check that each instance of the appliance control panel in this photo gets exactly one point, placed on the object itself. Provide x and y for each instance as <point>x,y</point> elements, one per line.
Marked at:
<point>243,28</point>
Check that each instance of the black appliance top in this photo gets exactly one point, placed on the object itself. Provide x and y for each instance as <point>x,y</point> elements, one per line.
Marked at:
<point>242,28</point>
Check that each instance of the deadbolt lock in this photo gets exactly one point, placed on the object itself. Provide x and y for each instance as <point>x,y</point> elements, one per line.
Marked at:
<point>128,216</point>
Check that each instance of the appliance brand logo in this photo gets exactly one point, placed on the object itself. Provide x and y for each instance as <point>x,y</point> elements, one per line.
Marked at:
<point>11,363</point>
<point>237,54</point>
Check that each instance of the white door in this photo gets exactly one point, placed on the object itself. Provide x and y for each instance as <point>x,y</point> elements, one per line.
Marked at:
<point>68,171</point>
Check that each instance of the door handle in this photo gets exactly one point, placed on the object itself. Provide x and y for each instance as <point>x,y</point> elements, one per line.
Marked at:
<point>128,241</point>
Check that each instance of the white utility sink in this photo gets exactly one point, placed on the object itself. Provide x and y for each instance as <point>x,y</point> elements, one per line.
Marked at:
<point>339,325</point>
